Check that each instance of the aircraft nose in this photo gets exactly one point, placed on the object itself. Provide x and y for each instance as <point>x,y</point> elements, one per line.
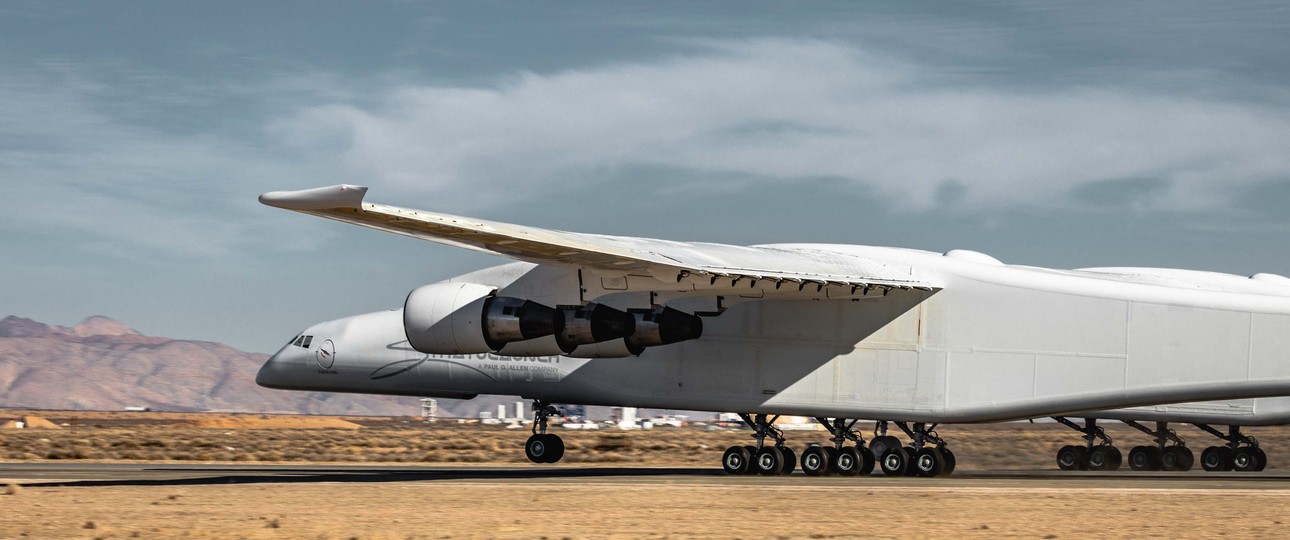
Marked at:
<point>275,372</point>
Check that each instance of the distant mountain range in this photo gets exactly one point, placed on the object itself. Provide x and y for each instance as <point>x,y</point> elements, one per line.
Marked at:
<point>102,364</point>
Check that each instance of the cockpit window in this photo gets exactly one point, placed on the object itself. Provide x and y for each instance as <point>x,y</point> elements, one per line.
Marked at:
<point>308,340</point>
<point>299,339</point>
<point>302,341</point>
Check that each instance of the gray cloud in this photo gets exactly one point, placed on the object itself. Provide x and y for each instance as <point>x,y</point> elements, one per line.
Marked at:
<point>789,109</point>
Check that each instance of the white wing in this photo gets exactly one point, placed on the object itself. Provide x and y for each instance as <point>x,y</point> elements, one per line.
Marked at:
<point>665,260</point>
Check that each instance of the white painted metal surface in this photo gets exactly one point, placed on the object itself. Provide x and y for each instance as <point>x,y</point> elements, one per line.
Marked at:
<point>829,330</point>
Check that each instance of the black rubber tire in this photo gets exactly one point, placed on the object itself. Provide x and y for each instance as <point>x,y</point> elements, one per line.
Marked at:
<point>1117,458</point>
<point>929,462</point>
<point>815,461</point>
<point>535,449</point>
<point>950,462</point>
<point>1245,459</point>
<point>736,460</point>
<point>555,447</point>
<point>1171,458</point>
<point>846,462</point>
<point>1068,458</point>
<point>790,461</point>
<point>867,461</point>
<point>894,462</point>
<point>1144,458</point>
<point>880,445</point>
<point>1263,459</point>
<point>1185,458</point>
<point>1211,459</point>
<point>768,461</point>
<point>1101,458</point>
<point>910,470</point>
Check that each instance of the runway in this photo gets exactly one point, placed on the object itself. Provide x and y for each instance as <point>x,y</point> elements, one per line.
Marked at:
<point>87,474</point>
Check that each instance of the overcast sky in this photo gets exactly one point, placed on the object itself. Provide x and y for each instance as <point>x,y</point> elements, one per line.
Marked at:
<point>135,137</point>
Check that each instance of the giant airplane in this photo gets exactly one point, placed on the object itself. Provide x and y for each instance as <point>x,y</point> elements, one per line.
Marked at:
<point>838,333</point>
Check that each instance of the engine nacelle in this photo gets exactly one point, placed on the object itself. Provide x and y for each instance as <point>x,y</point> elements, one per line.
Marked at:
<point>466,318</point>
<point>662,326</point>
<point>592,323</point>
<point>650,328</point>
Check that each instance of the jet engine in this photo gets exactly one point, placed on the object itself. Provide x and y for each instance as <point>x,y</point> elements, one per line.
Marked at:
<point>650,328</point>
<point>468,318</point>
<point>662,326</point>
<point>592,323</point>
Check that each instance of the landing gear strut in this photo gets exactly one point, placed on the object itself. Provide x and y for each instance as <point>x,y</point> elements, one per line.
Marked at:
<point>1097,454</point>
<point>1163,456</point>
<point>1241,453</point>
<point>543,447</point>
<point>927,455</point>
<point>838,459</point>
<point>775,459</point>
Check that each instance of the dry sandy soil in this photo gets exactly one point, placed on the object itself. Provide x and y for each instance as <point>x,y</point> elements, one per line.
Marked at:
<point>684,507</point>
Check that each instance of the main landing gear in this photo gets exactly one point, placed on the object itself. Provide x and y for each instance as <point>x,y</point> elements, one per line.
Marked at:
<point>1097,454</point>
<point>1241,453</point>
<point>1163,456</point>
<point>543,447</point>
<point>927,455</point>
<point>838,459</point>
<point>776,459</point>
<point>1169,453</point>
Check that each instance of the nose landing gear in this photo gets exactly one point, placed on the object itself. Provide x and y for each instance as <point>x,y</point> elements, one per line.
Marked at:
<point>543,447</point>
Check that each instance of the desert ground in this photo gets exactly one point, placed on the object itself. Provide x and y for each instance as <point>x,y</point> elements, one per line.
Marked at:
<point>1007,485</point>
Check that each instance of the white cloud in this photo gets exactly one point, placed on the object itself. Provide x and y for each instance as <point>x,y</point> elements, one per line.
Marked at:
<point>788,109</point>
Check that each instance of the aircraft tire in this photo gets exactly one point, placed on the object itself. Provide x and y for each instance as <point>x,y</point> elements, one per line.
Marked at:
<point>867,461</point>
<point>556,445</point>
<point>1068,458</point>
<point>1216,458</point>
<point>1118,458</point>
<point>1171,459</point>
<point>950,462</point>
<point>1101,458</point>
<point>537,448</point>
<point>1186,458</point>
<point>768,461</point>
<point>1144,458</point>
<point>910,469</point>
<point>790,461</point>
<point>880,445</point>
<point>1262,457</point>
<point>847,461</point>
<point>929,462</point>
<point>894,462</point>
<point>815,461</point>
<point>736,461</point>
<point>1245,459</point>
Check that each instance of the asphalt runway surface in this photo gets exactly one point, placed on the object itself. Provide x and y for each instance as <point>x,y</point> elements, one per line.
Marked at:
<point>83,474</point>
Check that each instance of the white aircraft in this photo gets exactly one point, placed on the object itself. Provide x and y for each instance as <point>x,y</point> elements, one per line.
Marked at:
<point>834,332</point>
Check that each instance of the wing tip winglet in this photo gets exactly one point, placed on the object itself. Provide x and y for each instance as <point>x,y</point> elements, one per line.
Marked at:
<point>323,198</point>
